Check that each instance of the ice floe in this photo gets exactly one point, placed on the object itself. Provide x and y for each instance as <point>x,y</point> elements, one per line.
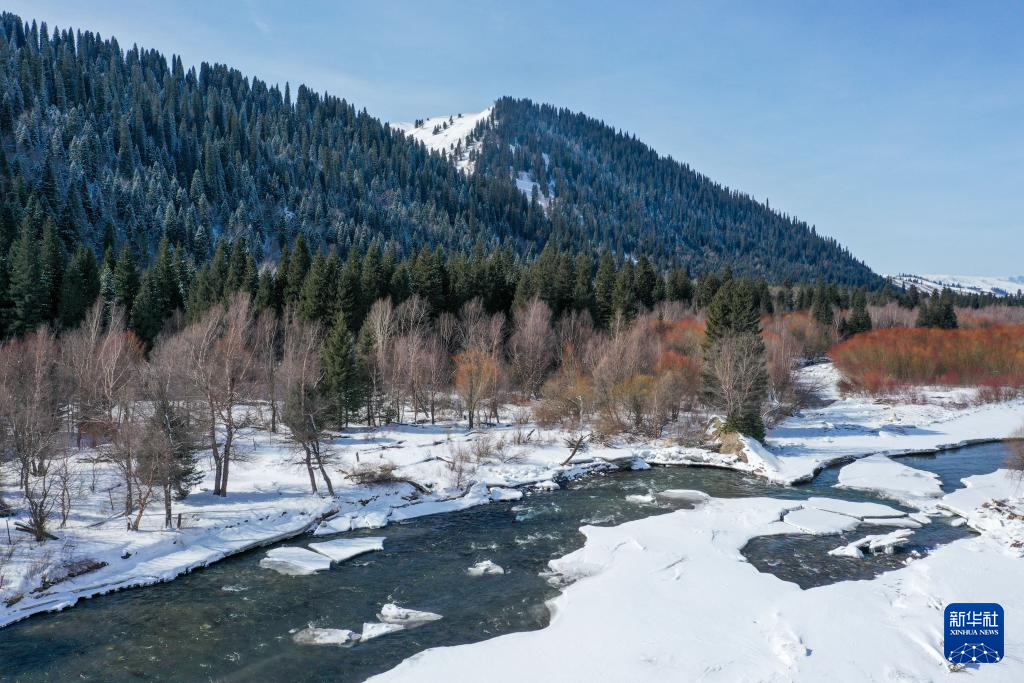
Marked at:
<point>485,568</point>
<point>295,561</point>
<point>345,548</point>
<point>877,543</point>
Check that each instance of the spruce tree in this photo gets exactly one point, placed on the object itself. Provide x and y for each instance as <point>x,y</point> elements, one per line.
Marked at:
<point>604,289</point>
<point>646,283</point>
<point>733,337</point>
<point>344,379</point>
<point>126,279</point>
<point>29,297</point>
<point>821,308</point>
<point>624,298</point>
<point>80,288</point>
<point>860,319</point>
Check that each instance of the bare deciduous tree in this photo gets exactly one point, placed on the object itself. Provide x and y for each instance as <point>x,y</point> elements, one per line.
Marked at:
<point>222,368</point>
<point>305,410</point>
<point>532,346</point>
<point>31,397</point>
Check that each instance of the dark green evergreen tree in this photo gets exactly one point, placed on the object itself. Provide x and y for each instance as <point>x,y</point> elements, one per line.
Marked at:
<point>733,340</point>
<point>80,289</point>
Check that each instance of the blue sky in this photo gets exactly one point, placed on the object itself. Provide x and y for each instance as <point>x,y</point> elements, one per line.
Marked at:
<point>898,128</point>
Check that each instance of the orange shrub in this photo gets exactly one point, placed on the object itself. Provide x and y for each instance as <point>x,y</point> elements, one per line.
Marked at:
<point>884,360</point>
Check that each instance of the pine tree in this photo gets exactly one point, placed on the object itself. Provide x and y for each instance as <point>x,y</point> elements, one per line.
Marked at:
<point>582,291</point>
<point>821,308</point>
<point>80,288</point>
<point>938,311</point>
<point>318,301</point>
<point>344,378</point>
<point>604,289</point>
<point>733,338</point>
<point>29,298</point>
<point>51,270</point>
<point>126,279</point>
<point>298,266</point>
<point>646,283</point>
<point>860,319</point>
<point>624,297</point>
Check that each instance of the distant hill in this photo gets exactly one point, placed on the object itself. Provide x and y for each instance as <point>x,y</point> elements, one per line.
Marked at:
<point>118,147</point>
<point>963,284</point>
<point>601,185</point>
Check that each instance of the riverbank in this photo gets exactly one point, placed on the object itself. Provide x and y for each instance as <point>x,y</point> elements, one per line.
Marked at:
<point>704,613</point>
<point>270,498</point>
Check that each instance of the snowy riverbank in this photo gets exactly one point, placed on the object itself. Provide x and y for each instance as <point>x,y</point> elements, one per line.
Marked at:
<point>671,598</point>
<point>270,498</point>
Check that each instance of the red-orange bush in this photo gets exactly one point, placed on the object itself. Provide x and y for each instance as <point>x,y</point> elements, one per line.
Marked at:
<point>883,360</point>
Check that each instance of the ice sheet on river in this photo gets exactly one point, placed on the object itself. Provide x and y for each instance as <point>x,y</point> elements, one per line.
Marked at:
<point>292,561</point>
<point>345,548</point>
<point>891,479</point>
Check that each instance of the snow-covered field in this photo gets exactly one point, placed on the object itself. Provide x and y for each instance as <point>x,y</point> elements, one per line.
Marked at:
<point>965,284</point>
<point>689,559</point>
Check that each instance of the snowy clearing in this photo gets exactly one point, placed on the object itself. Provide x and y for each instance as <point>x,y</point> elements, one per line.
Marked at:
<point>452,130</point>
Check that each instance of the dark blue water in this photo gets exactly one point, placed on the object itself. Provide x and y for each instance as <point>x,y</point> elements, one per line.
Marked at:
<point>233,621</point>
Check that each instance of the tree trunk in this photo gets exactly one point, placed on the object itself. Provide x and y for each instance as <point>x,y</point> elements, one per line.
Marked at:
<point>167,505</point>
<point>229,434</point>
<point>216,453</point>
<point>309,468</point>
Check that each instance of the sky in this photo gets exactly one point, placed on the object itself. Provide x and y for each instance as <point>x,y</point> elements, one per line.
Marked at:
<point>897,128</point>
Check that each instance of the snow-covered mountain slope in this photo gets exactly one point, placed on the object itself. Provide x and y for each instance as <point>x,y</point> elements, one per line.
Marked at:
<point>447,133</point>
<point>966,284</point>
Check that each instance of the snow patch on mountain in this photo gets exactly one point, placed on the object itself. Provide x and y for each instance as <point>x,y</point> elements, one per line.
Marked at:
<point>964,284</point>
<point>447,134</point>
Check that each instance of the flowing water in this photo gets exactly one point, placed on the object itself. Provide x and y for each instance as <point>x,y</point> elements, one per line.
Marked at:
<point>233,620</point>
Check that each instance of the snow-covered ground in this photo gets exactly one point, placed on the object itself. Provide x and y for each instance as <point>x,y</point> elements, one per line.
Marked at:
<point>857,426</point>
<point>270,499</point>
<point>671,598</point>
<point>452,133</point>
<point>965,284</point>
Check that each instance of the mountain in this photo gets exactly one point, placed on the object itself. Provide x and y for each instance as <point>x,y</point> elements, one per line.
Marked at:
<point>112,147</point>
<point>962,284</point>
<point>599,184</point>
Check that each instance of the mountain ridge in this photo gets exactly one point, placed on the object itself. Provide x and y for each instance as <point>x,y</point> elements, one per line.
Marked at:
<point>119,147</point>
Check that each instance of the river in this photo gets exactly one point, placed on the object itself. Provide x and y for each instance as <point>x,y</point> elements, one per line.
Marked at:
<point>233,620</point>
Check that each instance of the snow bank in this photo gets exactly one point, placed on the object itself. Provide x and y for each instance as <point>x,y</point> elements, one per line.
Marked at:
<point>992,504</point>
<point>345,548</point>
<point>498,494</point>
<point>670,598</point>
